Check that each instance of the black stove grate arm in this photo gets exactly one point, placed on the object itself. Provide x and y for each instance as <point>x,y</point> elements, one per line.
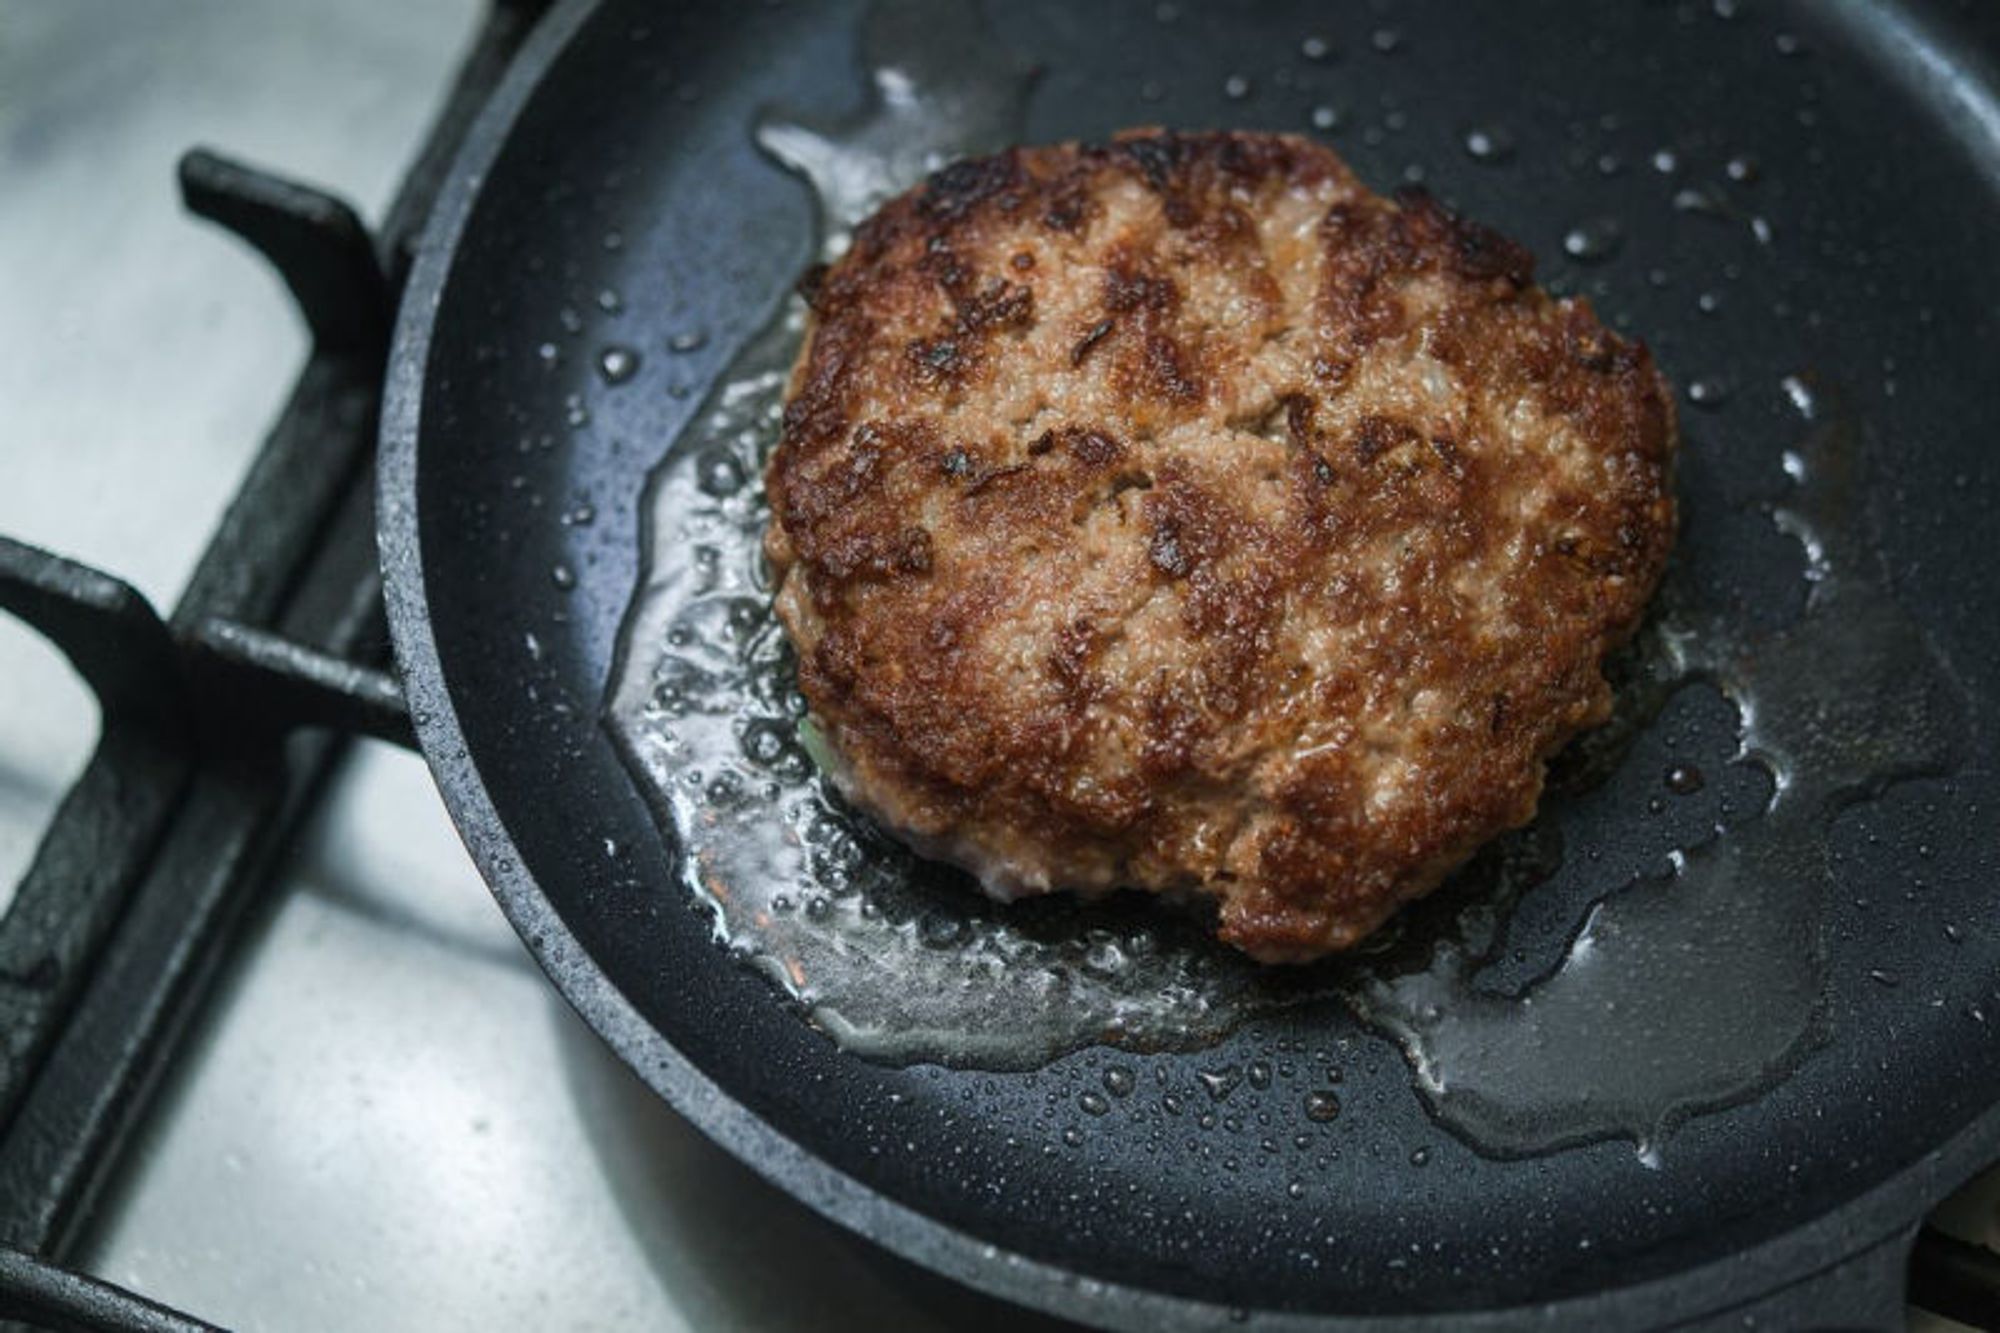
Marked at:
<point>40,1295</point>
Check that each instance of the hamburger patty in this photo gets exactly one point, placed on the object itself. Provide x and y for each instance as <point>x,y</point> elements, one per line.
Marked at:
<point>1179,514</point>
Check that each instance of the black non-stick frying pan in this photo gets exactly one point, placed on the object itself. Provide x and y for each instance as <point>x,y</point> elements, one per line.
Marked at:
<point>1796,204</point>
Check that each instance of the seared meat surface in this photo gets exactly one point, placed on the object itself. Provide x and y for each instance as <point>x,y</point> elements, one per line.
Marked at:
<point>1179,514</point>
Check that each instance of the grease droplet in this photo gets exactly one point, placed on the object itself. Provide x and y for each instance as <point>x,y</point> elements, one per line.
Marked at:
<point>1699,200</point>
<point>1220,1082</point>
<point>1119,1081</point>
<point>1322,1106</point>
<point>563,577</point>
<point>720,475</point>
<point>1388,41</point>
<point>1325,118</point>
<point>1492,144</point>
<point>1707,393</point>
<point>1593,241</point>
<point>1315,47</point>
<point>1093,1103</point>
<point>693,340</point>
<point>1801,395</point>
<point>617,364</point>
<point>1685,780</point>
<point>1236,87</point>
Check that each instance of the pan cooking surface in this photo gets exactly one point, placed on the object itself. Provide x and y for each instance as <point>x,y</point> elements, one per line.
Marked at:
<point>1793,220</point>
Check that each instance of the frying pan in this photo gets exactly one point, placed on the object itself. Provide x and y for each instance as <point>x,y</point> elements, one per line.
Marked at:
<point>617,157</point>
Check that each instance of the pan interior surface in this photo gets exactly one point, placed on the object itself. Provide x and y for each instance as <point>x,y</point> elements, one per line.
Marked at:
<point>1779,200</point>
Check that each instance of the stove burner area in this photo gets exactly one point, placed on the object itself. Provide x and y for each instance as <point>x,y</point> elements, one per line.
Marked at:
<point>221,721</point>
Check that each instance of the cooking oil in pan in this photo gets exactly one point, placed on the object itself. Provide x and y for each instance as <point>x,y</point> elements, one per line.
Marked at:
<point>940,88</point>
<point>1676,995</point>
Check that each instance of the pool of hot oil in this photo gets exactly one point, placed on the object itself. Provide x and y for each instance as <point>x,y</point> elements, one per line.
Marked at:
<point>1674,996</point>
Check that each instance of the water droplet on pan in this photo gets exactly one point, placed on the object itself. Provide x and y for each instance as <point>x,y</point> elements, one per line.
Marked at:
<point>1492,144</point>
<point>1707,392</point>
<point>617,364</point>
<point>1801,396</point>
<point>1593,241</point>
<point>1219,1083</point>
<point>1701,201</point>
<point>1685,780</point>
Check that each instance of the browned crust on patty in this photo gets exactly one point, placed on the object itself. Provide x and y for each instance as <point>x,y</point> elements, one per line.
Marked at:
<point>1179,514</point>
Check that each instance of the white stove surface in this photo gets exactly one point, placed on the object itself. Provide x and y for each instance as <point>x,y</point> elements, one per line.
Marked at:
<point>388,1119</point>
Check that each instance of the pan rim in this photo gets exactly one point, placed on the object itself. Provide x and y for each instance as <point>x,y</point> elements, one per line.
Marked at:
<point>1886,1213</point>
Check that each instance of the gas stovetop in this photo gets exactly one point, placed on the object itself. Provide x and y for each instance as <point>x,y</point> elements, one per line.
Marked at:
<point>268,1054</point>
